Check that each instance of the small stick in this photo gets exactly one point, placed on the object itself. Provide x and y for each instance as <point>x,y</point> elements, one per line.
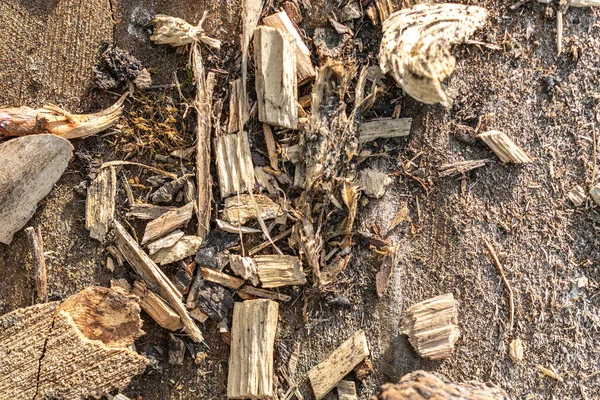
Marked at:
<point>562,10</point>
<point>594,154</point>
<point>506,284</point>
<point>39,264</point>
<point>266,244</point>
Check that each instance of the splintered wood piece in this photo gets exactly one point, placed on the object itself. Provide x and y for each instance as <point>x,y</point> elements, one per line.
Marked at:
<point>236,120</point>
<point>577,195</point>
<point>373,182</point>
<point>148,211</point>
<point>176,32</point>
<point>503,146</point>
<point>384,129</point>
<point>277,270</point>
<point>240,209</point>
<point>252,292</point>
<point>346,390</point>
<point>421,385</point>
<point>39,263</point>
<point>79,349</point>
<point>204,90</point>
<point>340,363</point>
<point>244,267</point>
<point>251,356</point>
<point>276,82</point>
<point>176,350</point>
<point>304,68</point>
<point>156,307</point>
<point>595,193</point>
<point>116,254</point>
<point>234,164</point>
<point>100,203</point>
<point>271,147</point>
<point>432,327</point>
<point>168,222</point>
<point>30,167</point>
<point>460,168</point>
<point>154,278</point>
<point>415,47</point>
<point>227,227</point>
<point>185,247</point>
<point>164,242</point>
<point>222,279</point>
<point>584,3</point>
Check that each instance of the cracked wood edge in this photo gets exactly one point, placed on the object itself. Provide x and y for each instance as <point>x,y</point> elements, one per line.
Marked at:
<point>155,278</point>
<point>340,363</point>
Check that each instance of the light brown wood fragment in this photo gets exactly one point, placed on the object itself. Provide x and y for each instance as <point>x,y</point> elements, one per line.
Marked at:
<point>577,195</point>
<point>251,356</point>
<point>184,247</point>
<point>222,279</point>
<point>236,91</point>
<point>346,390</point>
<point>422,385</point>
<point>234,164</point>
<point>503,146</point>
<point>155,278</point>
<point>39,263</point>
<point>116,254</point>
<point>276,81</point>
<point>382,279</point>
<point>278,270</point>
<point>30,167</point>
<point>244,267</point>
<point>148,211</point>
<point>100,203</point>
<point>373,182</point>
<point>156,307</point>
<point>595,193</point>
<point>79,349</point>
<point>515,350</point>
<point>198,315</point>
<point>168,222</point>
<point>271,147</point>
<point>166,241</point>
<point>584,3</point>
<point>340,363</point>
<point>228,227</point>
<point>384,9</point>
<point>176,32</point>
<point>459,168</point>
<point>549,373</point>
<point>252,293</point>
<point>291,153</point>
<point>305,70</point>
<point>384,129</point>
<point>432,326</point>
<point>240,209</point>
<point>263,179</point>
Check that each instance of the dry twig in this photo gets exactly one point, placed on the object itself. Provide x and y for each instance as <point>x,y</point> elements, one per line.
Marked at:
<point>506,284</point>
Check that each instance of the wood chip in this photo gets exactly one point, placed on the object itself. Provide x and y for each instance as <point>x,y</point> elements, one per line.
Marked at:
<point>595,193</point>
<point>240,209</point>
<point>252,293</point>
<point>577,196</point>
<point>91,332</point>
<point>244,267</point>
<point>305,70</point>
<point>549,373</point>
<point>460,168</point>
<point>197,314</point>
<point>34,235</point>
<point>421,385</point>
<point>431,326</point>
<point>176,350</point>
<point>515,350</point>
<point>234,164</point>
<point>116,254</point>
<point>251,356</point>
<point>236,91</point>
<point>503,146</point>
<point>167,192</point>
<point>340,363</point>
<point>388,264</point>
<point>346,390</point>
<point>154,278</point>
<point>384,129</point>
<point>166,241</point>
<point>415,46</point>
<point>227,227</point>
<point>185,247</point>
<point>100,203</point>
<point>277,270</point>
<point>30,167</point>
<point>156,307</point>
<point>176,32</point>
<point>222,279</point>
<point>148,211</point>
<point>276,81</point>
<point>373,182</point>
<point>168,222</point>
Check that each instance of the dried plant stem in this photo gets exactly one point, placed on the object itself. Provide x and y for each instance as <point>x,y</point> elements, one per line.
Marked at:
<point>506,284</point>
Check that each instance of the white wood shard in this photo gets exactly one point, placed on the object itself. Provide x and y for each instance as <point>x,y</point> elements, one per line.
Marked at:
<point>234,163</point>
<point>221,278</point>
<point>278,270</point>
<point>244,267</point>
<point>166,241</point>
<point>240,209</point>
<point>577,196</point>
<point>504,147</point>
<point>415,47</point>
<point>346,390</point>
<point>373,182</point>
<point>432,326</point>
<point>184,247</point>
<point>276,81</point>
<point>228,227</point>
<point>168,222</point>
<point>304,67</point>
<point>384,129</point>
<point>100,203</point>
<point>251,356</point>
<point>584,3</point>
<point>30,167</point>
<point>340,363</point>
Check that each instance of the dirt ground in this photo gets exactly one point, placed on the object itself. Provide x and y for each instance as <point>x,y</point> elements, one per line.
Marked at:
<point>548,104</point>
